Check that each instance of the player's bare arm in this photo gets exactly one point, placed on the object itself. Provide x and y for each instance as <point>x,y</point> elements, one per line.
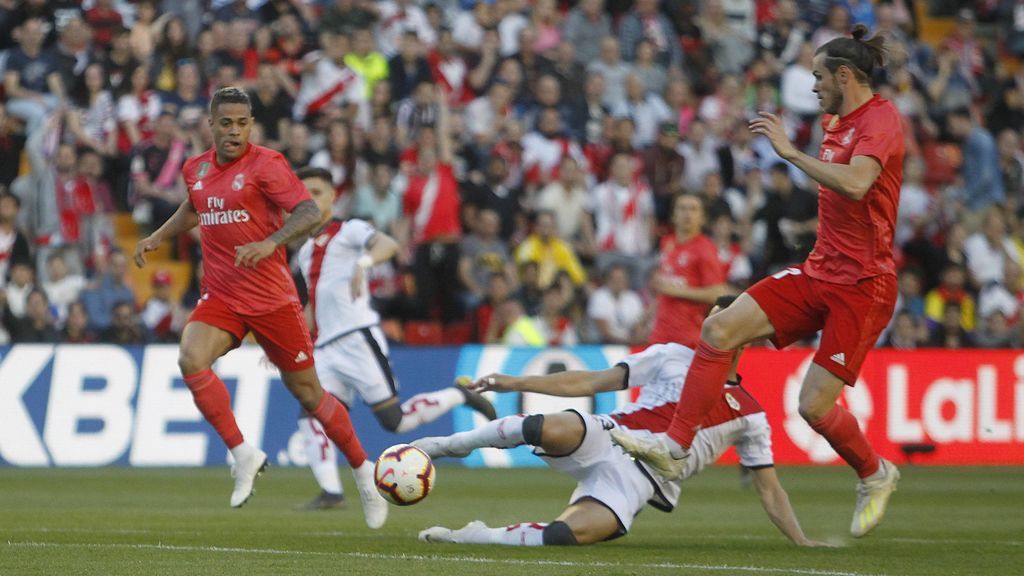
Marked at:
<point>303,219</point>
<point>851,180</point>
<point>572,383</point>
<point>776,504</point>
<point>184,219</point>
<point>379,248</point>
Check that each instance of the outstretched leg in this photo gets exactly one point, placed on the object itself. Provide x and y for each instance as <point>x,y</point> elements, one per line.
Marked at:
<point>585,522</point>
<point>555,434</point>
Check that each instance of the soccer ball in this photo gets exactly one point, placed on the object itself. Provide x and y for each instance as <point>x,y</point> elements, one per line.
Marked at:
<point>404,474</point>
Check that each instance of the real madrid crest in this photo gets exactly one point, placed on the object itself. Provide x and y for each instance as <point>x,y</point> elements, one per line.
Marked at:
<point>238,182</point>
<point>204,168</point>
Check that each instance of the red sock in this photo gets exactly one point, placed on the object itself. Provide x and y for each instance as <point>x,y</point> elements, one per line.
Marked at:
<point>841,430</point>
<point>704,382</point>
<point>214,403</point>
<point>333,416</point>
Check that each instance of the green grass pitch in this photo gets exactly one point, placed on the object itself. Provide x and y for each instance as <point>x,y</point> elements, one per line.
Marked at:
<point>149,522</point>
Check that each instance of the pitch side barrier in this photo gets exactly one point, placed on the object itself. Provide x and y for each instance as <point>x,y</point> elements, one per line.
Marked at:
<point>98,405</point>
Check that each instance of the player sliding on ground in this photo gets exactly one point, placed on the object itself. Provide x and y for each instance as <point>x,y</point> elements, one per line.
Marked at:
<point>846,288</point>
<point>237,192</point>
<point>350,350</point>
<point>612,487</point>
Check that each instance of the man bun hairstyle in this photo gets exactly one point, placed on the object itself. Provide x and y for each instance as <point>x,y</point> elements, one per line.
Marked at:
<point>229,95</point>
<point>859,53</point>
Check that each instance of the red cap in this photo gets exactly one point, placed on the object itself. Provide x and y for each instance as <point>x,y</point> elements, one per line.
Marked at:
<point>161,278</point>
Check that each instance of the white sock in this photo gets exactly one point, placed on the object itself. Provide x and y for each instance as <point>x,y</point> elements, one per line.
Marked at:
<point>526,534</point>
<point>242,450</point>
<point>504,432</point>
<point>427,407</point>
<point>322,457</point>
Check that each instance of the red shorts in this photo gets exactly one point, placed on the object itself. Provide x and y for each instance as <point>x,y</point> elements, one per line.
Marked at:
<point>282,334</point>
<point>850,316</point>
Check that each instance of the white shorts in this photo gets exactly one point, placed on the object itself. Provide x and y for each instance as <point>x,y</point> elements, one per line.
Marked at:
<point>356,364</point>
<point>604,472</point>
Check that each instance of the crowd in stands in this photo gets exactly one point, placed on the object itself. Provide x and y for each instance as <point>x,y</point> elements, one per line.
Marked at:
<point>525,153</point>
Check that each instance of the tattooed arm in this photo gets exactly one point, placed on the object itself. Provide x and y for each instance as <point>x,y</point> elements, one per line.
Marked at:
<point>303,219</point>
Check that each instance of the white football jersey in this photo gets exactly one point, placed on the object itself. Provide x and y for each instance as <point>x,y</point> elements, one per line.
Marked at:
<point>327,261</point>
<point>736,420</point>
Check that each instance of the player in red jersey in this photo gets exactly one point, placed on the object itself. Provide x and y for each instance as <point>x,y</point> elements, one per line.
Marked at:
<point>237,194</point>
<point>846,288</point>
<point>690,276</point>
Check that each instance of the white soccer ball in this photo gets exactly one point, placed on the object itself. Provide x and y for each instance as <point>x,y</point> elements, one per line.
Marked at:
<point>404,474</point>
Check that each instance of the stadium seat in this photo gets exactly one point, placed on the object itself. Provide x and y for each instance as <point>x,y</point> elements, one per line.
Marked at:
<point>424,333</point>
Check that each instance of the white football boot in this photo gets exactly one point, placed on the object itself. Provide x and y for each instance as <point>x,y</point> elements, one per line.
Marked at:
<point>656,450</point>
<point>476,532</point>
<point>375,507</point>
<point>439,447</point>
<point>250,462</point>
<point>872,498</point>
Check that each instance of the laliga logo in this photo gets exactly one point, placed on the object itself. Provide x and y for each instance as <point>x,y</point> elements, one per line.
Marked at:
<point>858,402</point>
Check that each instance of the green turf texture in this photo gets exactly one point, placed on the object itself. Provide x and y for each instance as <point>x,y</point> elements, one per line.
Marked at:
<point>128,521</point>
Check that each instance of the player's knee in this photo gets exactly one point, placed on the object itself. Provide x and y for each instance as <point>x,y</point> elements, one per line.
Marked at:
<point>308,393</point>
<point>389,417</point>
<point>813,409</point>
<point>191,361</point>
<point>533,429</point>
<point>718,332</point>
<point>559,533</point>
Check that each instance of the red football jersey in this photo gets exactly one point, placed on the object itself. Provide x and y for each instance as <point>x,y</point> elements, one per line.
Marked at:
<point>855,238</point>
<point>238,203</point>
<point>694,263</point>
<point>433,204</point>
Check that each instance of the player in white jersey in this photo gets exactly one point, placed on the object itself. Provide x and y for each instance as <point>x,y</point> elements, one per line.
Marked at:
<point>350,350</point>
<point>611,487</point>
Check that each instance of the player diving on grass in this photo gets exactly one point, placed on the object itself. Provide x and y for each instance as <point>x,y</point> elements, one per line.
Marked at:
<point>846,289</point>
<point>237,193</point>
<point>350,350</point>
<point>612,488</point>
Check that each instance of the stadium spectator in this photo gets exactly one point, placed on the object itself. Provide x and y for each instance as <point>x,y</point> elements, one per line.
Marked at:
<point>982,181</point>
<point>917,209</point>
<point>730,49</point>
<point>615,310</point>
<point>126,328</point>
<point>32,82</point>
<point>554,325</point>
<point>483,254</point>
<point>14,245</point>
<point>790,220</point>
<point>646,109</point>
<point>567,198</point>
<point>409,68</point>
<point>489,324</point>
<point>732,251</point>
<point>379,200</point>
<point>586,25</point>
<point>20,283</point>
<point>690,276</point>
<point>297,146</point>
<point>989,249</point>
<point>108,288</point>
<point>550,253</point>
<point>104,19</point>
<point>623,209</point>
<point>645,22</point>
<point>370,64</point>
<point>398,18</point>
<point>157,187</point>
<point>950,333</point>
<point>62,287</point>
<point>161,315</point>
<point>76,326</point>
<point>904,333</point>
<point>327,85</point>
<point>613,70</point>
<point>951,291</point>
<point>345,16</point>
<point>430,224</point>
<point>37,325</point>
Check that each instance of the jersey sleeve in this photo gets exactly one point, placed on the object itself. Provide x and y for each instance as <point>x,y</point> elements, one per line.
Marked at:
<point>754,447</point>
<point>656,362</point>
<point>880,139</point>
<point>188,175</point>
<point>356,233</point>
<point>280,184</point>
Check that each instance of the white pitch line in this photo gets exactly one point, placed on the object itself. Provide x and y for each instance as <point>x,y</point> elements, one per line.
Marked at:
<point>466,559</point>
